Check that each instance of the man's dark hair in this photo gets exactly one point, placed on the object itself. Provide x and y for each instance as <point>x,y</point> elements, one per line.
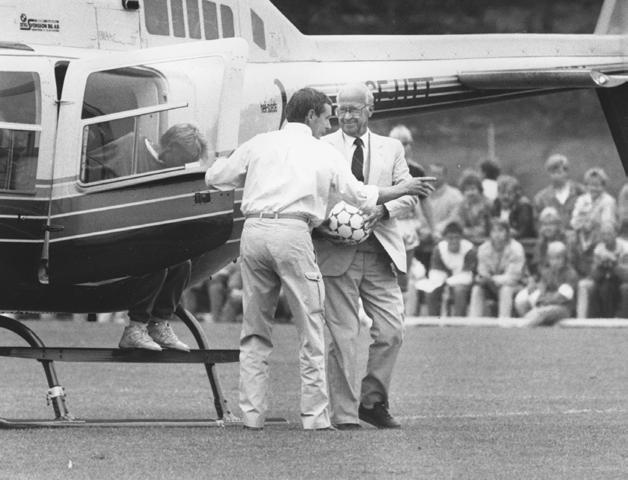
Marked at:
<point>453,228</point>
<point>490,169</point>
<point>303,101</point>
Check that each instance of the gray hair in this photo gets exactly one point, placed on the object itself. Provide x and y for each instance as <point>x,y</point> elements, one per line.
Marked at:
<point>368,95</point>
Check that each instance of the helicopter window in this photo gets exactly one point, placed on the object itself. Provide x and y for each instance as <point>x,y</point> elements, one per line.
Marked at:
<point>133,153</point>
<point>194,19</point>
<point>226,15</point>
<point>18,159</point>
<point>258,30</point>
<point>210,19</point>
<point>178,24</point>
<point>122,89</point>
<point>156,17</point>
<point>119,147</point>
<point>19,130</point>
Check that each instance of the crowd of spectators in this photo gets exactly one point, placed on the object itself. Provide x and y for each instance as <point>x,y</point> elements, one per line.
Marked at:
<point>483,248</point>
<point>562,254</point>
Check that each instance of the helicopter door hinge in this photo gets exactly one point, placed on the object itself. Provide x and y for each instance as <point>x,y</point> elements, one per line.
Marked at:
<point>53,228</point>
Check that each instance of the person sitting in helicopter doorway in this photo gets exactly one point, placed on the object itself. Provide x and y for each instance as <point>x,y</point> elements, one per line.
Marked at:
<point>149,327</point>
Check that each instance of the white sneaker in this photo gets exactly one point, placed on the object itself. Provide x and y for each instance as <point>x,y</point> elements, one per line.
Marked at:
<point>136,336</point>
<point>161,332</point>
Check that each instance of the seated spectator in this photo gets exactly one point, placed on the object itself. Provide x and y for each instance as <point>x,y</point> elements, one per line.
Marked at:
<point>490,172</point>
<point>551,299</point>
<point>596,201</point>
<point>443,203</point>
<point>225,294</point>
<point>225,297</point>
<point>562,192</point>
<point>513,206</point>
<point>622,211</point>
<point>195,299</point>
<point>500,273</point>
<point>587,236</point>
<point>453,264</point>
<point>551,229</point>
<point>411,221</point>
<point>609,294</point>
<point>474,212</point>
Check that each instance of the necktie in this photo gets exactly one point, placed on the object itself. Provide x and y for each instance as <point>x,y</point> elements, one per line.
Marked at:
<point>357,162</point>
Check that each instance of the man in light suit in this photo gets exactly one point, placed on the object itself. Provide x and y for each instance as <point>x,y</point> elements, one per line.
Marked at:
<point>366,271</point>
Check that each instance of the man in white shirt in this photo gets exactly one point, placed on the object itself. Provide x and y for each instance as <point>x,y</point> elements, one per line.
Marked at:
<point>288,177</point>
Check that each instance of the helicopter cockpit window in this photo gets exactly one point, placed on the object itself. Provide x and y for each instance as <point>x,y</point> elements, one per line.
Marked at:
<point>257,24</point>
<point>194,19</point>
<point>210,17</point>
<point>19,130</point>
<point>226,15</point>
<point>178,22</point>
<point>156,17</point>
<point>123,143</point>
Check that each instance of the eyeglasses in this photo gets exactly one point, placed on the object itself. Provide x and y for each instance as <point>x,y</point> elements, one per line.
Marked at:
<point>351,111</point>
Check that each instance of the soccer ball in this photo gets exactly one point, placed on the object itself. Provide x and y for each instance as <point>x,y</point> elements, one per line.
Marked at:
<point>346,224</point>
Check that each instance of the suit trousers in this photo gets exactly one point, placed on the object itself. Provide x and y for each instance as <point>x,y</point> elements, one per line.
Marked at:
<point>278,252</point>
<point>372,278</point>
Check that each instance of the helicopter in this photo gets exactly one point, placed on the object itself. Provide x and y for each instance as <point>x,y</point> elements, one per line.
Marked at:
<point>87,89</point>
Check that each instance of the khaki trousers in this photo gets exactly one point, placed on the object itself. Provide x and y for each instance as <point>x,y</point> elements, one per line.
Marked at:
<point>278,252</point>
<point>371,278</point>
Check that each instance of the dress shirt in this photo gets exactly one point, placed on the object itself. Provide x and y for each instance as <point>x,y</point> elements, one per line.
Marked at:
<point>290,171</point>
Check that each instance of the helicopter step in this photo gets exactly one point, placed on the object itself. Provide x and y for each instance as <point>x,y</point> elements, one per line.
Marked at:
<point>71,354</point>
<point>56,393</point>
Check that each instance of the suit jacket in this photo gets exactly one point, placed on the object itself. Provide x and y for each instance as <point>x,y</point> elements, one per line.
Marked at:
<point>384,166</point>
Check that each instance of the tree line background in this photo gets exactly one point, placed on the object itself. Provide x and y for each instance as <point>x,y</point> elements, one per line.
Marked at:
<point>427,17</point>
<point>524,131</point>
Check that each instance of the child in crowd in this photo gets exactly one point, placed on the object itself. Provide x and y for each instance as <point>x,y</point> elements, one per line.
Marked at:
<point>490,172</point>
<point>587,236</point>
<point>562,192</point>
<point>551,298</point>
<point>500,273</point>
<point>474,212</point>
<point>596,202</point>
<point>551,229</point>
<point>452,266</point>
<point>513,206</point>
<point>225,294</point>
<point>609,292</point>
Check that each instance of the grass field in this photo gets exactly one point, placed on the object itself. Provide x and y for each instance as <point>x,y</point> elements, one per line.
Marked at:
<point>475,403</point>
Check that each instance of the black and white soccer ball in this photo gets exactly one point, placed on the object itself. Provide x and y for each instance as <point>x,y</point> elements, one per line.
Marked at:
<point>347,225</point>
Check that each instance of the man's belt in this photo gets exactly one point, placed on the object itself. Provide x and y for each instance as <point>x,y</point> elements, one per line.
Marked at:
<point>294,216</point>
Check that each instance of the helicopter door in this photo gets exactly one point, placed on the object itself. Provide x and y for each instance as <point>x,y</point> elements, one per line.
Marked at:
<point>121,205</point>
<point>27,132</point>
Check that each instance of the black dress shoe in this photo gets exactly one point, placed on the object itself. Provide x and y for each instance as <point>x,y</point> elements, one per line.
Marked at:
<point>378,416</point>
<point>348,426</point>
